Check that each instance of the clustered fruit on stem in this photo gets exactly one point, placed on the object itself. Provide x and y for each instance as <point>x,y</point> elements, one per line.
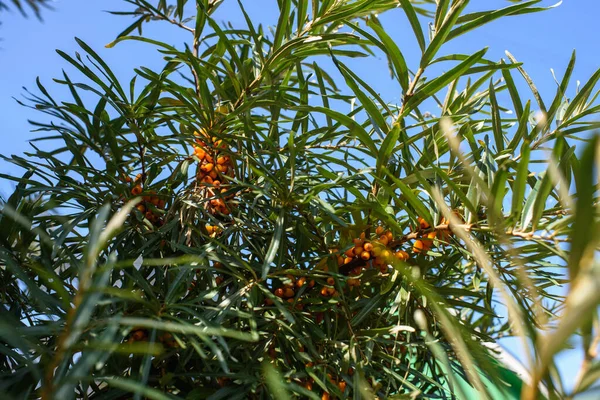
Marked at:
<point>152,204</point>
<point>215,167</point>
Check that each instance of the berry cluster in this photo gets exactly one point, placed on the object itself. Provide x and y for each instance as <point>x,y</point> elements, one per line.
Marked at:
<point>214,168</point>
<point>152,205</point>
<point>425,241</point>
<point>376,252</point>
<point>141,335</point>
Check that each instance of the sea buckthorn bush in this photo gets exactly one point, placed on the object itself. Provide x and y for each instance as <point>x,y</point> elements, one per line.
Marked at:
<point>253,220</point>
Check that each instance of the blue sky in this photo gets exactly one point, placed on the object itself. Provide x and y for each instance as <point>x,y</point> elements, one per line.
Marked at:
<point>542,41</point>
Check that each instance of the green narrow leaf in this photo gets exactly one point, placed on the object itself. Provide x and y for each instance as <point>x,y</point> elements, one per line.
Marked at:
<point>414,22</point>
<point>488,16</point>
<point>369,106</point>
<point>432,87</point>
<point>387,147</point>
<point>275,382</point>
<point>546,187</point>
<point>514,92</point>
<point>520,182</point>
<point>394,53</point>
<point>496,120</point>
<point>528,208</point>
<point>282,24</point>
<point>499,191</point>
<point>585,229</point>
<point>441,34</point>
<point>411,198</point>
<point>275,243</point>
<point>560,97</point>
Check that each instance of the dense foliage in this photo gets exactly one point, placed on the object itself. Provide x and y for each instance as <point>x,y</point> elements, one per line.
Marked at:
<point>253,220</point>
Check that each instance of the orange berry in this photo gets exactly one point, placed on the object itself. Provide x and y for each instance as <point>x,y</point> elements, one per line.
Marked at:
<point>222,168</point>
<point>269,302</point>
<point>379,260</point>
<point>308,386</point>
<point>141,208</point>
<point>379,230</point>
<point>402,255</point>
<point>149,215</point>
<point>289,292</point>
<point>348,260</point>
<point>340,260</point>
<point>311,283</point>
<point>377,250</point>
<point>368,247</point>
<point>350,252</point>
<point>330,291</point>
<point>383,269</point>
<point>207,167</point>
<point>300,282</point>
<point>390,236</point>
<point>324,292</point>
<point>358,251</point>
<point>363,235</point>
<point>383,239</point>
<point>386,254</point>
<point>155,201</point>
<point>222,160</point>
<point>358,242</point>
<point>207,179</point>
<point>213,174</point>
<point>432,235</point>
<point>137,190</point>
<point>138,335</point>
<point>325,396</point>
<point>365,255</point>
<point>330,281</point>
<point>353,282</point>
<point>342,386</point>
<point>199,152</point>
<point>419,246</point>
<point>162,203</point>
<point>423,224</point>
<point>279,292</point>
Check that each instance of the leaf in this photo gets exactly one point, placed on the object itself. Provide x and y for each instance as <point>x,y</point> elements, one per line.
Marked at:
<point>387,147</point>
<point>370,107</point>
<point>394,53</point>
<point>520,183</point>
<point>282,24</point>
<point>528,209</point>
<point>412,199</point>
<point>496,120</point>
<point>585,227</point>
<point>441,34</point>
<point>276,242</point>
<point>484,17</point>
<point>139,388</point>
<point>414,22</point>
<point>275,382</point>
<point>435,85</point>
